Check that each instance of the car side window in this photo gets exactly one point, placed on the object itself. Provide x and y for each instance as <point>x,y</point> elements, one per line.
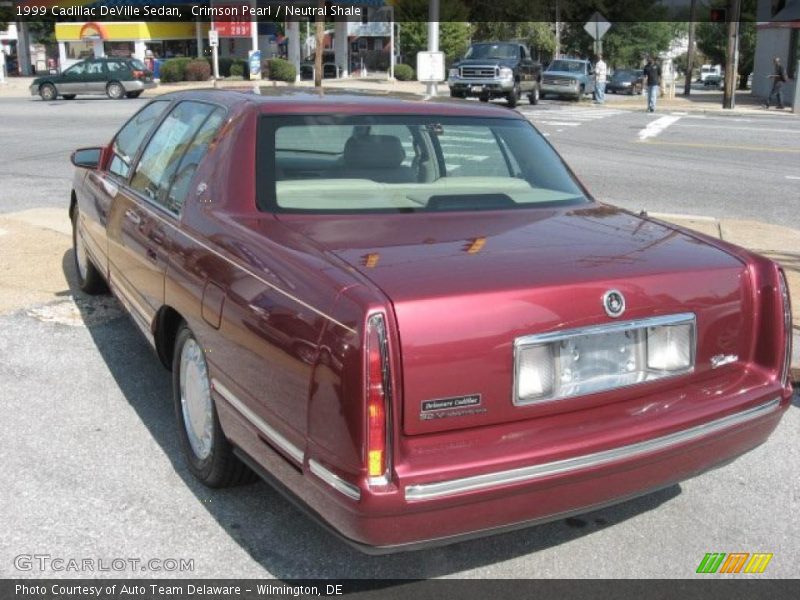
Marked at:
<point>114,66</point>
<point>131,136</point>
<point>191,160</point>
<point>163,153</point>
<point>77,69</point>
<point>94,68</point>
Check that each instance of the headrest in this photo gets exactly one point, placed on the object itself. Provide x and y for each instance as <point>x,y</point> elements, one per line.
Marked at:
<point>373,152</point>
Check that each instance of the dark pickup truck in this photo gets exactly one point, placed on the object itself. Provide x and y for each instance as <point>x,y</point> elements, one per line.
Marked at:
<point>496,70</point>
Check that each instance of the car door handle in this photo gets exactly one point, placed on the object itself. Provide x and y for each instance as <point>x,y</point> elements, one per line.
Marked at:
<point>133,217</point>
<point>157,237</point>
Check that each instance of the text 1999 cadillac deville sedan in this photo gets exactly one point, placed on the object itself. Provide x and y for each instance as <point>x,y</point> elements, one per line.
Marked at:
<point>412,317</point>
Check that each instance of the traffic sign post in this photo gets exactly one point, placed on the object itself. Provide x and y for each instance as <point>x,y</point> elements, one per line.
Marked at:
<point>597,26</point>
<point>213,41</point>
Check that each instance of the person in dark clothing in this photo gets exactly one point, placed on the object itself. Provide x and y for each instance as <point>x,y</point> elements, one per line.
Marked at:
<point>778,78</point>
<point>652,76</point>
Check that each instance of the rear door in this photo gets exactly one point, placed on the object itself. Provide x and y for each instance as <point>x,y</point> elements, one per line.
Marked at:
<point>95,77</point>
<point>525,69</point>
<point>147,210</point>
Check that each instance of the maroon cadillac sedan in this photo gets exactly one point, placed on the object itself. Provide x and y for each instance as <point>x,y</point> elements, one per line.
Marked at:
<point>412,317</point>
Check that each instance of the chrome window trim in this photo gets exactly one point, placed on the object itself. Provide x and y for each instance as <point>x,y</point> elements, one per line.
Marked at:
<point>271,434</point>
<point>614,327</point>
<point>333,480</point>
<point>442,489</point>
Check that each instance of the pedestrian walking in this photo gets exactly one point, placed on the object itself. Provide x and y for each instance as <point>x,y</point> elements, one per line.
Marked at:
<point>600,75</point>
<point>652,76</point>
<point>778,79</point>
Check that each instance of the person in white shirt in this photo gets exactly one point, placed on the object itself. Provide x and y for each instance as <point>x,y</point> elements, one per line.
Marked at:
<point>600,74</point>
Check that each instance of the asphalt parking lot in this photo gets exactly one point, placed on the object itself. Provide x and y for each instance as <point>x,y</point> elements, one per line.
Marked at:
<point>91,465</point>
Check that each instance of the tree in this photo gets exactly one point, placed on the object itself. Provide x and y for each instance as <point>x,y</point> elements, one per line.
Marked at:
<point>539,36</point>
<point>454,31</point>
<point>712,40</point>
<point>626,44</point>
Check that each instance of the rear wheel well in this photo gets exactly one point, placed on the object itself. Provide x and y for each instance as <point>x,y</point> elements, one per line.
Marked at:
<point>168,322</point>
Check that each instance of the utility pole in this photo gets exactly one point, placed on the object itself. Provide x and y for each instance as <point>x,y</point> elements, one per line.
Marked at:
<point>687,85</point>
<point>558,30</point>
<point>433,37</point>
<point>320,31</point>
<point>732,58</point>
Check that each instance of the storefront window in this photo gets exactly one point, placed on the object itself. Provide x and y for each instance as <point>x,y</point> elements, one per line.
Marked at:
<point>119,49</point>
<point>79,50</point>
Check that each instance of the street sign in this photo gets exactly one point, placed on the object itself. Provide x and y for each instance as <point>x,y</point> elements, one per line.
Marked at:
<point>597,26</point>
<point>213,38</point>
<point>430,67</point>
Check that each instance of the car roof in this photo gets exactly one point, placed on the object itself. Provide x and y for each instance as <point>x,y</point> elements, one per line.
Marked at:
<point>286,100</point>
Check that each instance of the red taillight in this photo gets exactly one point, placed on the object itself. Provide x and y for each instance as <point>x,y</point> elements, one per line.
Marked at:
<point>138,75</point>
<point>377,398</point>
<point>786,302</point>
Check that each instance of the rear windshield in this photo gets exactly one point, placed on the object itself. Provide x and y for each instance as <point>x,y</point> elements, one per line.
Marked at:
<point>407,164</point>
<point>137,64</point>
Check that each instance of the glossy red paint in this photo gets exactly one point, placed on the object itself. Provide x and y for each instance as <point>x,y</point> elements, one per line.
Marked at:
<point>284,327</point>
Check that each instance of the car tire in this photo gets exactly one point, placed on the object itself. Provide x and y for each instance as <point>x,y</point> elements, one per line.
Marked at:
<point>90,280</point>
<point>115,91</point>
<point>133,94</point>
<point>209,455</point>
<point>533,97</point>
<point>47,92</point>
<point>512,98</point>
<point>483,98</point>
<point>68,96</point>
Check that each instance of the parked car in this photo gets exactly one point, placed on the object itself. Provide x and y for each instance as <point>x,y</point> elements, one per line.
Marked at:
<point>716,81</point>
<point>114,77</point>
<point>496,70</point>
<point>414,319</point>
<point>626,81</point>
<point>570,77</point>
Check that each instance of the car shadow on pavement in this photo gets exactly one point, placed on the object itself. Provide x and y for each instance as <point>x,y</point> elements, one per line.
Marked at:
<point>279,536</point>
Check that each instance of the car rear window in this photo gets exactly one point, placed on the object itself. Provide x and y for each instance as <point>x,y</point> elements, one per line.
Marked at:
<point>407,164</point>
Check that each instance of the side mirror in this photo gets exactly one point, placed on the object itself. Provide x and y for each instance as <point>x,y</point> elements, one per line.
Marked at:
<point>86,158</point>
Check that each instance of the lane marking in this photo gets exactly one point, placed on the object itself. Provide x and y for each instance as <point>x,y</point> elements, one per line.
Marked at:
<point>720,146</point>
<point>656,127</point>
<point>793,177</point>
<point>560,123</point>
<point>737,128</point>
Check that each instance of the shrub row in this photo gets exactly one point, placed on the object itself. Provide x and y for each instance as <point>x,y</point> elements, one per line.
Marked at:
<point>199,69</point>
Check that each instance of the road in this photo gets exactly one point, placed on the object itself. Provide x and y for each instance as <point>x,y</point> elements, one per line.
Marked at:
<point>91,465</point>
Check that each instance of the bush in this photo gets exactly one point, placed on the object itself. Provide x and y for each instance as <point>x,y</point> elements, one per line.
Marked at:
<point>237,71</point>
<point>404,73</point>
<point>174,69</point>
<point>281,70</point>
<point>197,70</point>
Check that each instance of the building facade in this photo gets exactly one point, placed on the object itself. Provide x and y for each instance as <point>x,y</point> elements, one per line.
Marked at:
<point>778,30</point>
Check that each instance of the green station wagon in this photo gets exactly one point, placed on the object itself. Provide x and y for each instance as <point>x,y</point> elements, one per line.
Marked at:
<point>114,77</point>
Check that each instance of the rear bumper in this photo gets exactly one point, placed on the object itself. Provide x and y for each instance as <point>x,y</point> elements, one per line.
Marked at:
<point>450,510</point>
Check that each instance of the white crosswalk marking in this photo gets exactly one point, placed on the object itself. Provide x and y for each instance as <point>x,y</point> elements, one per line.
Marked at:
<point>567,116</point>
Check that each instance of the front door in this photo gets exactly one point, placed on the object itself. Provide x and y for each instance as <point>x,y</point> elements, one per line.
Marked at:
<point>72,81</point>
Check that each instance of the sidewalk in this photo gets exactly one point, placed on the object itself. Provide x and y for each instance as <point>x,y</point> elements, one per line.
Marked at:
<point>699,101</point>
<point>781,244</point>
